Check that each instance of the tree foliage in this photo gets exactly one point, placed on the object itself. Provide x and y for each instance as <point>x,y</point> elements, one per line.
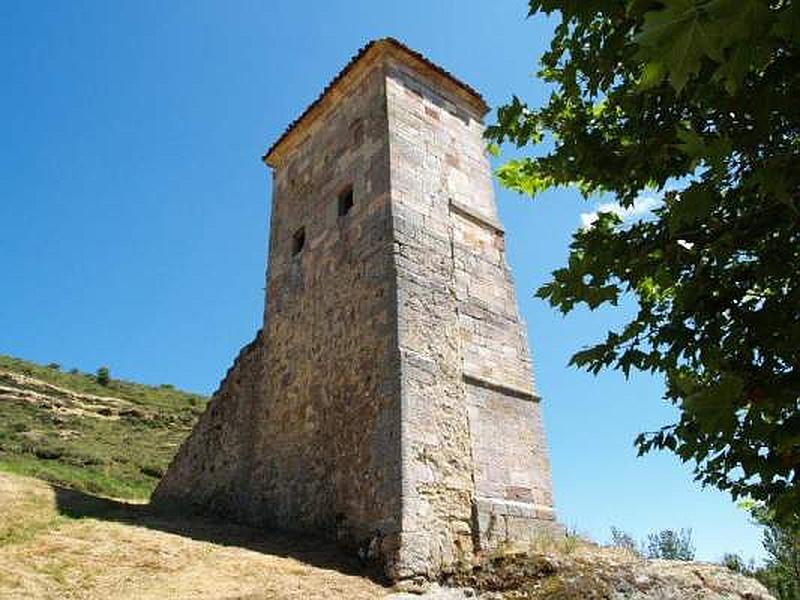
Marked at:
<point>737,564</point>
<point>781,572</point>
<point>698,101</point>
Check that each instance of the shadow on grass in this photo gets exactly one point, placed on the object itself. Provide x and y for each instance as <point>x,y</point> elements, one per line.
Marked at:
<point>313,551</point>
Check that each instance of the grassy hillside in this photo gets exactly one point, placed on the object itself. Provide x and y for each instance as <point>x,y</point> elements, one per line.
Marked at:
<point>61,544</point>
<point>113,439</point>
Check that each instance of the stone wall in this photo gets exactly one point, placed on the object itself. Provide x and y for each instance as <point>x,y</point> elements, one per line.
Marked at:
<point>331,442</point>
<point>475,466</point>
<point>318,442</point>
<point>211,469</point>
<point>437,464</point>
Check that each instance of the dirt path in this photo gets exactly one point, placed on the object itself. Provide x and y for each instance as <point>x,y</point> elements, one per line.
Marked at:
<point>57,543</point>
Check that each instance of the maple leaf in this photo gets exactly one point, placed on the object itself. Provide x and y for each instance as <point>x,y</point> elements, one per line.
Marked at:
<point>677,38</point>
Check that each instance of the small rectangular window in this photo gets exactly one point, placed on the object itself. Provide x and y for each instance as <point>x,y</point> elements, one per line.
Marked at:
<point>345,201</point>
<point>298,241</point>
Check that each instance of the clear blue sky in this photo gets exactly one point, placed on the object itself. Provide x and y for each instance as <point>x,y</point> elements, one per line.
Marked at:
<point>134,213</point>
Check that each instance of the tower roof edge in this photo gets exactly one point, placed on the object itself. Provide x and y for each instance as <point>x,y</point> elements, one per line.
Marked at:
<point>387,44</point>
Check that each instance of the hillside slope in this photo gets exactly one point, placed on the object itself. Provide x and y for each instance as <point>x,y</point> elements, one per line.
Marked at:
<point>61,544</point>
<point>60,539</point>
<point>115,439</point>
<point>58,543</point>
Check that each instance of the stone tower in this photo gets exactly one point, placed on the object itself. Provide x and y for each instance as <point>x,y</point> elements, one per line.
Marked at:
<point>388,401</point>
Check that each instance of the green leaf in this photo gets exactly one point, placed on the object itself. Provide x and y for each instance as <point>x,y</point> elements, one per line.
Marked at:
<point>788,26</point>
<point>653,74</point>
<point>677,38</point>
<point>523,177</point>
<point>692,143</point>
<point>738,19</point>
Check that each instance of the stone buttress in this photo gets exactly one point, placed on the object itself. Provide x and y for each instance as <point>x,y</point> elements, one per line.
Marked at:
<point>388,400</point>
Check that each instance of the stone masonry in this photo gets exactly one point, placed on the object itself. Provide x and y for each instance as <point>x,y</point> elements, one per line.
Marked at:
<point>388,401</point>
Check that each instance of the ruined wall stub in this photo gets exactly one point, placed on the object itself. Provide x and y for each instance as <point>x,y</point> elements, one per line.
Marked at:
<point>388,401</point>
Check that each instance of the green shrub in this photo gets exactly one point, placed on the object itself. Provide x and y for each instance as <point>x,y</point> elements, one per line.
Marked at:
<point>152,471</point>
<point>103,376</point>
<point>670,544</point>
<point>48,452</point>
<point>737,564</point>
<point>622,539</point>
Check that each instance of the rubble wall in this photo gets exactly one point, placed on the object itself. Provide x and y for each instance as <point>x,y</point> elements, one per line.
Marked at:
<point>305,434</point>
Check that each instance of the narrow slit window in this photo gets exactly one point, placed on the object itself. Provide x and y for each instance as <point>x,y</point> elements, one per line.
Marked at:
<point>298,241</point>
<point>357,129</point>
<point>345,201</point>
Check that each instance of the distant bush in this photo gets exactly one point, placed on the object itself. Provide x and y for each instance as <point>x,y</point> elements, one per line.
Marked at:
<point>74,371</point>
<point>622,539</point>
<point>167,386</point>
<point>48,452</point>
<point>54,366</point>
<point>670,544</point>
<point>152,471</point>
<point>103,376</point>
<point>737,564</point>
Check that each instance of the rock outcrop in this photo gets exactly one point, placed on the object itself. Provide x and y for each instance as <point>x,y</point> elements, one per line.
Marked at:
<point>588,573</point>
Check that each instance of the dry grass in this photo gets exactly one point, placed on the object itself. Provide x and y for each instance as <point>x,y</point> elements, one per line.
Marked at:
<point>57,543</point>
